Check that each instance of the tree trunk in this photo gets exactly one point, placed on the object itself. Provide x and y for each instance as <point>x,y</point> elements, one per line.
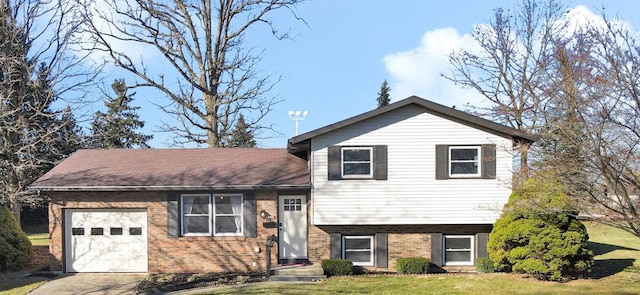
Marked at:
<point>524,158</point>
<point>16,208</point>
<point>211,119</point>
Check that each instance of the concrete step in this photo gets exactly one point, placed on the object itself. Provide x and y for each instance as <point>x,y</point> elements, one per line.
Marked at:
<point>298,270</point>
<point>292,278</point>
<point>297,273</point>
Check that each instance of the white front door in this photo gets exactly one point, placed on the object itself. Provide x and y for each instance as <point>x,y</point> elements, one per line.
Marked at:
<point>292,227</point>
<point>106,240</point>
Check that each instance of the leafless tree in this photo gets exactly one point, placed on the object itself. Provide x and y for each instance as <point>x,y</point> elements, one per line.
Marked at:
<point>212,75</point>
<point>599,137</point>
<point>510,71</point>
<point>39,64</point>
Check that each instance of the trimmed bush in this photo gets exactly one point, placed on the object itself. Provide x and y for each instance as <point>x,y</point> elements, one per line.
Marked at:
<point>485,265</point>
<point>538,233</point>
<point>412,265</point>
<point>15,247</point>
<point>337,267</point>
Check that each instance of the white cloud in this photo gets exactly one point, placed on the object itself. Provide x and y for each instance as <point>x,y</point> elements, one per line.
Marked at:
<point>418,71</point>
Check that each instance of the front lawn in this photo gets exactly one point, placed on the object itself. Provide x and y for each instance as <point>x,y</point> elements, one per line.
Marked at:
<point>39,239</point>
<point>617,272</point>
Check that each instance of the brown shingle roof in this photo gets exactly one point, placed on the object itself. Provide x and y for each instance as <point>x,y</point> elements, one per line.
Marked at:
<point>139,169</point>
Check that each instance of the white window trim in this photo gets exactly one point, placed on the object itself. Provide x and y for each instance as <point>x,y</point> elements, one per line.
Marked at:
<point>212,216</point>
<point>472,254</point>
<point>479,161</point>
<point>241,233</point>
<point>344,250</point>
<point>370,162</point>
<point>183,214</point>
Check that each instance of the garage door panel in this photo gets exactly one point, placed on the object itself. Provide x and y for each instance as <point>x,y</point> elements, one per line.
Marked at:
<point>106,240</point>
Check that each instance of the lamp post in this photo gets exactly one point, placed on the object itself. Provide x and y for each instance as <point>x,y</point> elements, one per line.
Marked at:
<point>297,116</point>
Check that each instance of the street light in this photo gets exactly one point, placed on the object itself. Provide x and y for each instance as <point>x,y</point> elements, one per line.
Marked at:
<point>297,116</point>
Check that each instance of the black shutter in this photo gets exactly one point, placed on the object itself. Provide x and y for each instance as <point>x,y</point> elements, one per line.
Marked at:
<point>436,249</point>
<point>381,251</point>
<point>488,161</point>
<point>481,240</point>
<point>173,216</point>
<point>442,161</point>
<point>335,246</point>
<point>334,157</point>
<point>380,162</point>
<point>250,215</point>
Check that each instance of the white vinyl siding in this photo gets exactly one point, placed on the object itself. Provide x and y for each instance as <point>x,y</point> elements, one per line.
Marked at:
<point>411,194</point>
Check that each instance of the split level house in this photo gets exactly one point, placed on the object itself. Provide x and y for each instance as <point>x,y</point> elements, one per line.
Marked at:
<point>413,178</point>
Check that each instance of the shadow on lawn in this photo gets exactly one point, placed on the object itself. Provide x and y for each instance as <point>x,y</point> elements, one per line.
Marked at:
<point>600,248</point>
<point>607,267</point>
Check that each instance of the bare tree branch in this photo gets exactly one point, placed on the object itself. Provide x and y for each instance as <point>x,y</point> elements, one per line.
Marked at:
<point>215,75</point>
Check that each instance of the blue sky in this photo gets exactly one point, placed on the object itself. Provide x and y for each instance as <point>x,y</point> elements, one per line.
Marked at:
<point>333,68</point>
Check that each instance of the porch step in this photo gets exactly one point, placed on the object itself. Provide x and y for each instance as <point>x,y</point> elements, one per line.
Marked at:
<point>287,278</point>
<point>297,273</point>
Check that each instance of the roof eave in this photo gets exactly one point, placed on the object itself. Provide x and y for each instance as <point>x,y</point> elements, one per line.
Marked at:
<point>432,107</point>
<point>165,188</point>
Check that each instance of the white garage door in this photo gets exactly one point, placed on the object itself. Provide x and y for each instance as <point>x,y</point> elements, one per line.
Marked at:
<point>106,240</point>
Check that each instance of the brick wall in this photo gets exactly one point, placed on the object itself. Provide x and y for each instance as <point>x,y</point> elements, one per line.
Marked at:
<point>225,254</point>
<point>184,254</point>
<point>402,240</point>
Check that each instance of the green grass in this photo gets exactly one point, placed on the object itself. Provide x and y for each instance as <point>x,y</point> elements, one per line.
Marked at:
<point>16,282</point>
<point>39,239</point>
<point>617,272</point>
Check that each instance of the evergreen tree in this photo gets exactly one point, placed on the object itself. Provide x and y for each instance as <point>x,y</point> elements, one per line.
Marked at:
<point>117,127</point>
<point>28,134</point>
<point>241,136</point>
<point>32,79</point>
<point>383,96</point>
<point>539,234</point>
<point>15,247</point>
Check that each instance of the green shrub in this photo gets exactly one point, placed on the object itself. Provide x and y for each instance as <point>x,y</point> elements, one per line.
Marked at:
<point>412,265</point>
<point>337,267</point>
<point>485,265</point>
<point>15,247</point>
<point>538,233</point>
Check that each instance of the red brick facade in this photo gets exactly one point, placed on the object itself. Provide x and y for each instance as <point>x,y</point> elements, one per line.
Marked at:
<point>403,240</point>
<point>233,254</point>
<point>173,255</point>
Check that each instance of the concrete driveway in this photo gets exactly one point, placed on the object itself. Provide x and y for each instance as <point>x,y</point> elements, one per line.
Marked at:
<point>90,283</point>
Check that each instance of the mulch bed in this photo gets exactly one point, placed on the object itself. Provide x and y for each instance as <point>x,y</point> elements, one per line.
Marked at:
<point>155,283</point>
<point>39,255</point>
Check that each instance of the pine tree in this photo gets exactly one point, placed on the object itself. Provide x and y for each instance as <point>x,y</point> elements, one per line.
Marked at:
<point>241,136</point>
<point>383,96</point>
<point>30,143</point>
<point>32,79</point>
<point>117,127</point>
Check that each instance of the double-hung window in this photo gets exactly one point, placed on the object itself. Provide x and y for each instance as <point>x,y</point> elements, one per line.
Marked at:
<point>358,249</point>
<point>228,215</point>
<point>356,162</point>
<point>206,214</point>
<point>464,161</point>
<point>458,250</point>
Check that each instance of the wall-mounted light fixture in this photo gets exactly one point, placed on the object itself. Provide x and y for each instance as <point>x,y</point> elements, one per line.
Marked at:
<point>265,215</point>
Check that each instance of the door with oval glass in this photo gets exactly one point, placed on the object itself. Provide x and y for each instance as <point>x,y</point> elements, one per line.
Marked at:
<point>292,227</point>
